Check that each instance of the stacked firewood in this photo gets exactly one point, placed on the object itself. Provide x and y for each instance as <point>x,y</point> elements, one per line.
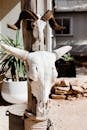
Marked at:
<point>61,90</point>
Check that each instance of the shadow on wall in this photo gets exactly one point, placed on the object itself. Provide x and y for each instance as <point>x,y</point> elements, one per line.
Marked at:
<point>6,6</point>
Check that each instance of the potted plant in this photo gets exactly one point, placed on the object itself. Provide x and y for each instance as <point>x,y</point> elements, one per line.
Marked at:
<point>13,91</point>
<point>66,66</point>
<point>9,62</point>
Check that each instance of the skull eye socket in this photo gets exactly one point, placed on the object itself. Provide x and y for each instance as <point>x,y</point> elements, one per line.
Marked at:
<point>32,25</point>
<point>37,69</point>
<point>31,80</point>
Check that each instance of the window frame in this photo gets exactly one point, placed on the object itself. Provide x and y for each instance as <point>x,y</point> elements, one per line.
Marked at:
<point>71,26</point>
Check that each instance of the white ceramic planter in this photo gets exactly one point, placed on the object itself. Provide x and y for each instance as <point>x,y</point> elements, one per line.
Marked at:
<point>15,92</point>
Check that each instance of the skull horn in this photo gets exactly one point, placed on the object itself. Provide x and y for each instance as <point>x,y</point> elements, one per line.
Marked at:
<point>48,16</point>
<point>24,15</point>
<point>21,54</point>
<point>61,51</point>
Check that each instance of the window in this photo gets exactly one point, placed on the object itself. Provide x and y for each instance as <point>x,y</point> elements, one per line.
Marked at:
<point>67,23</point>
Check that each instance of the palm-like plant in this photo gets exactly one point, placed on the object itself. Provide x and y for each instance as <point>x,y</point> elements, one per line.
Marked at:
<point>9,62</point>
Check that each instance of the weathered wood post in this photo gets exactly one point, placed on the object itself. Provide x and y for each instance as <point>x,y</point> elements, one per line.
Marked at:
<point>49,30</point>
<point>31,122</point>
<point>28,34</point>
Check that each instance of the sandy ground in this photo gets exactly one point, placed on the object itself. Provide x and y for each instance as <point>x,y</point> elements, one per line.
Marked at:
<point>69,115</point>
<point>3,118</point>
<point>65,115</point>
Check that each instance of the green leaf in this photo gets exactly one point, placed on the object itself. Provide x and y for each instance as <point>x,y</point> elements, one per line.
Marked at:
<point>15,65</point>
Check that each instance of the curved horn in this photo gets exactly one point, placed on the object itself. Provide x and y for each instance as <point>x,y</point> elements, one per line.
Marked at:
<point>24,15</point>
<point>61,51</point>
<point>21,54</point>
<point>48,16</point>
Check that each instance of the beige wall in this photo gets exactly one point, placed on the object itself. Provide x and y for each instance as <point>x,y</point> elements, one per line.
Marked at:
<point>9,12</point>
<point>6,6</point>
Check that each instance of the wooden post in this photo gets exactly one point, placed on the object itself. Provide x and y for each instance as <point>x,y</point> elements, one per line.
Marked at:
<point>27,34</point>
<point>28,41</point>
<point>29,122</point>
<point>49,30</point>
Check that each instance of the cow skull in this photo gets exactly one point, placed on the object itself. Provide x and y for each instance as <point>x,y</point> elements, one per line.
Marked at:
<point>37,24</point>
<point>41,73</point>
<point>32,17</point>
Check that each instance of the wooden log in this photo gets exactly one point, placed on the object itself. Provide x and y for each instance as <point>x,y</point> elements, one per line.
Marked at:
<point>84,86</point>
<point>58,92</point>
<point>74,91</point>
<point>78,89</point>
<point>62,88</point>
<point>28,41</point>
<point>54,96</point>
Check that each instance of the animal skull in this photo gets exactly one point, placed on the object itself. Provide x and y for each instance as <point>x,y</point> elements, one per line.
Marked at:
<point>37,24</point>
<point>32,17</point>
<point>41,72</point>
